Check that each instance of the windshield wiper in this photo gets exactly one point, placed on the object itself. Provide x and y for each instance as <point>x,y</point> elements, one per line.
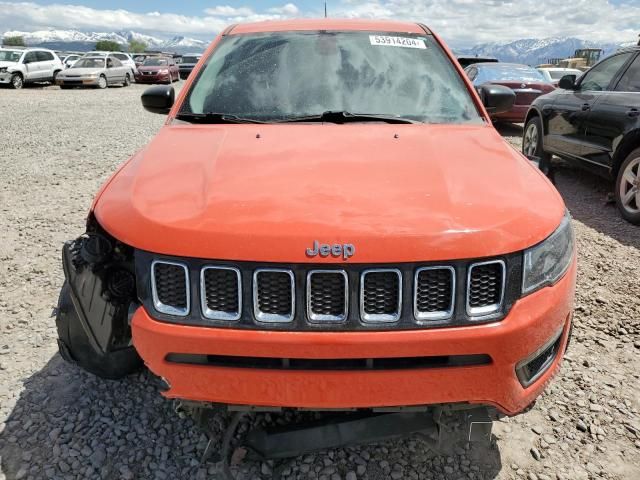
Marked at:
<point>212,118</point>
<point>345,117</point>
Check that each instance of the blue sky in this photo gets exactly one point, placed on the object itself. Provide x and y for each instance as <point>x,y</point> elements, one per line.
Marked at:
<point>459,22</point>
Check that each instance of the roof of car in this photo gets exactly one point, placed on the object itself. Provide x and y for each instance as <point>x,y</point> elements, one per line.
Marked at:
<point>327,24</point>
<point>499,64</point>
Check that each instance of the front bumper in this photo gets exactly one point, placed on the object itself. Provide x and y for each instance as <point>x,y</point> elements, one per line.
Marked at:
<point>160,78</point>
<point>517,114</point>
<point>5,77</point>
<point>531,323</point>
<point>78,82</point>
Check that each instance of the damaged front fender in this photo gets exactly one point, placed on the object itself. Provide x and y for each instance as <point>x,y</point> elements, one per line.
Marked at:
<point>93,310</point>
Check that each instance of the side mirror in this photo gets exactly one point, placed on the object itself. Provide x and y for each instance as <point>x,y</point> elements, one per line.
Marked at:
<point>497,98</point>
<point>158,99</point>
<point>568,82</point>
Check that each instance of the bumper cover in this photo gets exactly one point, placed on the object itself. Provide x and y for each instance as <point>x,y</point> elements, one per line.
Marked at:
<point>532,322</point>
<point>140,78</point>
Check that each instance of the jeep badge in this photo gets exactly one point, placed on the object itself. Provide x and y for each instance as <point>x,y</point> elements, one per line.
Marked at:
<point>346,251</point>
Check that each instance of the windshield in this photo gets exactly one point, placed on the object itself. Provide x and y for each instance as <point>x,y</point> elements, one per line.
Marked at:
<point>505,73</point>
<point>89,63</point>
<point>10,55</point>
<point>155,62</point>
<point>279,76</point>
<point>190,59</point>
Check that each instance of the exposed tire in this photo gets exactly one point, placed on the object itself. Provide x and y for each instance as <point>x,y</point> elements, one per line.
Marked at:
<point>75,347</point>
<point>127,80</point>
<point>17,82</point>
<point>102,82</point>
<point>532,145</point>
<point>55,75</point>
<point>627,191</point>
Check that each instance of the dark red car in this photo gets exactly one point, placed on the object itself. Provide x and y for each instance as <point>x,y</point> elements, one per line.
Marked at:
<point>527,83</point>
<point>158,70</point>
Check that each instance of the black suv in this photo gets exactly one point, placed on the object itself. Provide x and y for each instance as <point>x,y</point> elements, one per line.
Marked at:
<point>596,121</point>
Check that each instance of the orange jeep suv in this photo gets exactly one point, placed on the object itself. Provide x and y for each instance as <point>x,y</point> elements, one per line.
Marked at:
<point>327,220</point>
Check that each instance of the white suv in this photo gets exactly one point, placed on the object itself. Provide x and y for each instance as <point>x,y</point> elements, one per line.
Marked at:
<point>20,66</point>
<point>124,58</point>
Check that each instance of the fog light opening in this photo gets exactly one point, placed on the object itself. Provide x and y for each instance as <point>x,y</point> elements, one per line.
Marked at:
<point>532,368</point>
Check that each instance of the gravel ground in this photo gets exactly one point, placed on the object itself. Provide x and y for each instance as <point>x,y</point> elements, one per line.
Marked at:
<point>57,147</point>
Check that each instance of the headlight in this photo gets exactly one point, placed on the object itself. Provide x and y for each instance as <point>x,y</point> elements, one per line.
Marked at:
<point>3,69</point>
<point>163,72</point>
<point>548,261</point>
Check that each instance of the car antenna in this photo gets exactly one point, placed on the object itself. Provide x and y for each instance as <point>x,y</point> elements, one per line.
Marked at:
<point>325,9</point>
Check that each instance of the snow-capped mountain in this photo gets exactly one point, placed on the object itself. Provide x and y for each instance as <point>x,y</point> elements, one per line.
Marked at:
<point>534,51</point>
<point>75,40</point>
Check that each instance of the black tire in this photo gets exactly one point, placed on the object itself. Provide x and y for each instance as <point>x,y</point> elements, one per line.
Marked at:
<point>75,347</point>
<point>628,182</point>
<point>17,82</point>
<point>55,75</point>
<point>65,87</point>
<point>532,145</point>
<point>127,80</point>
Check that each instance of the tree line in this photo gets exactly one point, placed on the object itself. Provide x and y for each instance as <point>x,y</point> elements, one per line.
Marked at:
<point>135,46</point>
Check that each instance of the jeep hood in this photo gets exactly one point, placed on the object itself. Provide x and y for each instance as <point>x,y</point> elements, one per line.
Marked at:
<point>399,193</point>
<point>7,64</point>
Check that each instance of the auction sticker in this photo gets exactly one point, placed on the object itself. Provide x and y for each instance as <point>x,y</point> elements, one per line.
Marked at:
<point>405,42</point>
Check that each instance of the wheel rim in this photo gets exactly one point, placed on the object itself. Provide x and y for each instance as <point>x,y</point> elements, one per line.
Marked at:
<point>17,81</point>
<point>530,141</point>
<point>102,82</point>
<point>630,187</point>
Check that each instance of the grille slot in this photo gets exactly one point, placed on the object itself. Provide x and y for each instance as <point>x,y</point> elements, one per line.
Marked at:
<point>327,295</point>
<point>170,288</point>
<point>273,295</point>
<point>221,293</point>
<point>434,293</point>
<point>485,288</point>
<point>381,295</point>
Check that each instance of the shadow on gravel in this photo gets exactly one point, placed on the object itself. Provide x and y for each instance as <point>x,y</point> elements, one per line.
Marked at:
<point>69,424</point>
<point>509,129</point>
<point>586,197</point>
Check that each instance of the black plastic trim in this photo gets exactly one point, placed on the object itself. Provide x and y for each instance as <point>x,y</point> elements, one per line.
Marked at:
<point>300,322</point>
<point>324,364</point>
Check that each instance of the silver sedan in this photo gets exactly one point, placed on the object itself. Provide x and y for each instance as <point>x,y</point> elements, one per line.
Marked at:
<point>99,71</point>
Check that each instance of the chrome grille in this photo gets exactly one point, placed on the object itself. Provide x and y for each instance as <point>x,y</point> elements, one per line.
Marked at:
<point>381,295</point>
<point>485,288</point>
<point>327,295</point>
<point>273,295</point>
<point>170,288</point>
<point>434,293</point>
<point>221,293</point>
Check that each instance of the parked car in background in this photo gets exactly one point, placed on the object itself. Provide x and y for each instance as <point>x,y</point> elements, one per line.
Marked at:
<point>100,71</point>
<point>554,74</point>
<point>187,64</point>
<point>465,61</point>
<point>594,121</point>
<point>124,58</point>
<point>527,83</point>
<point>158,70</point>
<point>69,60</point>
<point>21,66</point>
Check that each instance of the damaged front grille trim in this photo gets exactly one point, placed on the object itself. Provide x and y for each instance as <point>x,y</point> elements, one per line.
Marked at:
<point>378,317</point>
<point>485,310</point>
<point>162,307</point>
<point>271,317</point>
<point>434,316</point>
<point>316,317</point>
<point>219,315</point>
